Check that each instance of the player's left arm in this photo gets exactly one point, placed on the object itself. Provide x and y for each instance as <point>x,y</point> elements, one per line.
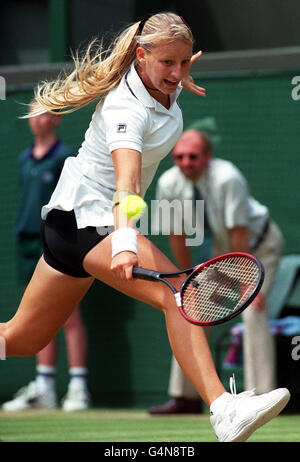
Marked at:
<point>188,81</point>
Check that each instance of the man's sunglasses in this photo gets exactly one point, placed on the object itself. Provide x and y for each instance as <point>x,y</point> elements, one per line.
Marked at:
<point>179,157</point>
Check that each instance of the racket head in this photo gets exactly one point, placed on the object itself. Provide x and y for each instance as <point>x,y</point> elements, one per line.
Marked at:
<point>221,288</point>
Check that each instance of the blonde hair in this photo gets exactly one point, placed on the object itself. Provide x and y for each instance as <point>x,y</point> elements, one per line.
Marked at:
<point>99,71</point>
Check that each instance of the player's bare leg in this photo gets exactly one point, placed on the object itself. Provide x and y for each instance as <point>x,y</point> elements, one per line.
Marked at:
<point>51,297</point>
<point>47,303</point>
<point>188,341</point>
<point>234,417</point>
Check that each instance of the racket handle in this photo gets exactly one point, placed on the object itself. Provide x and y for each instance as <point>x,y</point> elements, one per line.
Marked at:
<point>143,273</point>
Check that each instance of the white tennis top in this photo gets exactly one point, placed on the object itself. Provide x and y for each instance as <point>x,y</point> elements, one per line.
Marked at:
<point>226,198</point>
<point>128,117</point>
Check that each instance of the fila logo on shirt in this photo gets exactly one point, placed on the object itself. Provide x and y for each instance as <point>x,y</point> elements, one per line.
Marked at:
<point>121,128</point>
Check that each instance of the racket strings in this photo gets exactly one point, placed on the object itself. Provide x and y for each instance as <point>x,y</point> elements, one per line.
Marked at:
<point>220,289</point>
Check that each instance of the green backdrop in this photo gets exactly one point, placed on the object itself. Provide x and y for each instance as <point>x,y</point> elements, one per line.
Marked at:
<point>254,122</point>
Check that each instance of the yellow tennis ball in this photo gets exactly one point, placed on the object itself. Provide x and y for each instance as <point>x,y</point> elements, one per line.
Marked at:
<point>133,206</point>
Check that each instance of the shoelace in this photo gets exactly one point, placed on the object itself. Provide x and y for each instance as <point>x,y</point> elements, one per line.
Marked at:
<point>233,389</point>
<point>232,385</point>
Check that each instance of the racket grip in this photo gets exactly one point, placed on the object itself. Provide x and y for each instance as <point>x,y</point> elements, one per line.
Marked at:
<point>143,273</point>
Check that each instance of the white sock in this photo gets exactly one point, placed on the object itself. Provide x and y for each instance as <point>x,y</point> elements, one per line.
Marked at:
<point>78,378</point>
<point>45,378</point>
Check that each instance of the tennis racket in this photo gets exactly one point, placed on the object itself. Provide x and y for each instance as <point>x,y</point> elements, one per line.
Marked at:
<point>215,291</point>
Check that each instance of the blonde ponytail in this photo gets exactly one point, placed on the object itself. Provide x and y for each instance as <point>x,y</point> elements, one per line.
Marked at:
<point>99,71</point>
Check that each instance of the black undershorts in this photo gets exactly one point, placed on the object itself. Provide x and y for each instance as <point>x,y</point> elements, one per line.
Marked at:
<point>65,246</point>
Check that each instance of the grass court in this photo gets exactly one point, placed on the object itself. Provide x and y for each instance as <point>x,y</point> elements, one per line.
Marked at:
<point>101,425</point>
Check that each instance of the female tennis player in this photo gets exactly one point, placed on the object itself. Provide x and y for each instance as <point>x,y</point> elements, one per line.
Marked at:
<point>135,124</point>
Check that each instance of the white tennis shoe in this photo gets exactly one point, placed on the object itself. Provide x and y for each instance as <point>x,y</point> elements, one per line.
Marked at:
<point>235,417</point>
<point>30,397</point>
<point>76,399</point>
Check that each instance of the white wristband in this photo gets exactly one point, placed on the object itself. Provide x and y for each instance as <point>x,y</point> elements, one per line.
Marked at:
<point>124,239</point>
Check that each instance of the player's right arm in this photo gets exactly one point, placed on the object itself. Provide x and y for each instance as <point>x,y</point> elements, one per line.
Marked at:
<point>127,165</point>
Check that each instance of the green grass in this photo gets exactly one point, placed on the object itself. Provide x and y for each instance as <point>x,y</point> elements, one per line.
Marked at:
<point>127,426</point>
